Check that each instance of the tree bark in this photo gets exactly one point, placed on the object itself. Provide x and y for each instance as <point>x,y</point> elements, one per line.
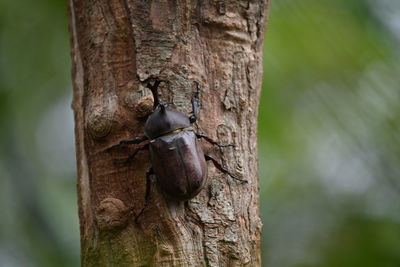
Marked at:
<point>117,45</point>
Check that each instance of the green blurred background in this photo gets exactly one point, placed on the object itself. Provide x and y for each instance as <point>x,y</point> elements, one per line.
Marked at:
<point>329,135</point>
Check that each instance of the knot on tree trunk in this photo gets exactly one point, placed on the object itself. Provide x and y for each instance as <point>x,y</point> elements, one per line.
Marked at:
<point>111,214</point>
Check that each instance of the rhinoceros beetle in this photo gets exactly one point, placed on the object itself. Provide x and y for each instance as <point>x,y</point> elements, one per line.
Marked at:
<point>177,158</point>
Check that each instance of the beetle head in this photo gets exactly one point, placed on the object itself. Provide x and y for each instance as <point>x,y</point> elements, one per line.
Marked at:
<point>163,121</point>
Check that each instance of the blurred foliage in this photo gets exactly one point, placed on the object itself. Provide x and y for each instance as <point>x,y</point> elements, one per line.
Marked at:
<point>329,135</point>
<point>38,225</point>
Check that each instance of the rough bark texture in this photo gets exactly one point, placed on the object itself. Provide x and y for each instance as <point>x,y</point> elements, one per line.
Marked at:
<point>116,46</point>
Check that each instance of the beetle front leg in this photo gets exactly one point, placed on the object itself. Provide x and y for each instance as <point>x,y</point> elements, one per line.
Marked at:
<point>211,141</point>
<point>136,140</point>
<point>132,155</point>
<point>222,168</point>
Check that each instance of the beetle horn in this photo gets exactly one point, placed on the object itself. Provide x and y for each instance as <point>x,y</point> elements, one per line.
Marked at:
<point>153,88</point>
<point>162,107</point>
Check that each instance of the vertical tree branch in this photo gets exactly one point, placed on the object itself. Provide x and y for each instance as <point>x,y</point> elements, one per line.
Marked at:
<point>117,45</point>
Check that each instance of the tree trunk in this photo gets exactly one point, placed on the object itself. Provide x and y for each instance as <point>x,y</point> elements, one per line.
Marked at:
<point>117,45</point>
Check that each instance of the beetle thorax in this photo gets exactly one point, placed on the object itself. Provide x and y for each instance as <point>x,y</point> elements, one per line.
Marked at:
<point>164,121</point>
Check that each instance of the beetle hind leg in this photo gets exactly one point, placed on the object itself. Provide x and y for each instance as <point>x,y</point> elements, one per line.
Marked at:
<point>211,141</point>
<point>147,194</point>
<point>220,167</point>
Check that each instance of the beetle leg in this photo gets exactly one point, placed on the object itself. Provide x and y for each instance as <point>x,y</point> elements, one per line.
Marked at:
<point>222,168</point>
<point>211,141</point>
<point>132,155</point>
<point>136,140</point>
<point>147,195</point>
<point>195,103</point>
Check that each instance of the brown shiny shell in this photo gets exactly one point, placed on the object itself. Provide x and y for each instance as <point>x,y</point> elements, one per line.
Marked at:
<point>179,165</point>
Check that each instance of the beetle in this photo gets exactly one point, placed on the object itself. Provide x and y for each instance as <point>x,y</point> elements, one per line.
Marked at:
<point>177,158</point>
